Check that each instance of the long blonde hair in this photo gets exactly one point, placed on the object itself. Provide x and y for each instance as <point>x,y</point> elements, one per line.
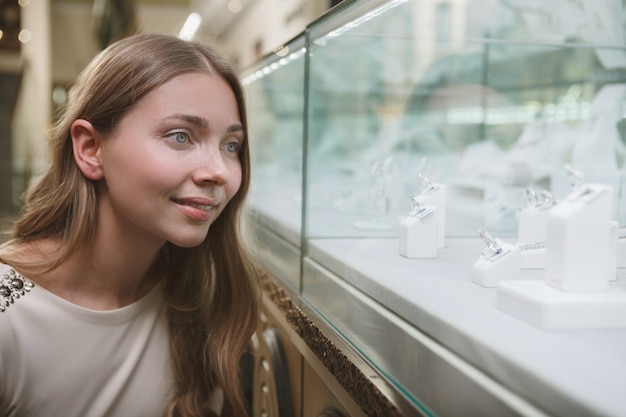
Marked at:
<point>211,289</point>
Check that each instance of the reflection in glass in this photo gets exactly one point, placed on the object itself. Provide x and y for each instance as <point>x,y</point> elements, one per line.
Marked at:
<point>496,97</point>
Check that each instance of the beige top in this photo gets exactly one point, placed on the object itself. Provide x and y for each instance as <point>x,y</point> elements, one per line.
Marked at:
<point>59,359</point>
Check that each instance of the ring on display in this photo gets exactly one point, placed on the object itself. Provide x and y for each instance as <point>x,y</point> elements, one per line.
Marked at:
<point>532,197</point>
<point>429,185</point>
<point>576,178</point>
<point>419,210</point>
<point>494,247</point>
<point>547,201</point>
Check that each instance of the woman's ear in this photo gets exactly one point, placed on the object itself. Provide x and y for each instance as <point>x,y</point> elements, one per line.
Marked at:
<point>87,146</point>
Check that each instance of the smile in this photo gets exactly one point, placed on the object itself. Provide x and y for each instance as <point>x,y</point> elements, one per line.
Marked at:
<point>200,204</point>
<point>196,208</point>
<point>202,207</point>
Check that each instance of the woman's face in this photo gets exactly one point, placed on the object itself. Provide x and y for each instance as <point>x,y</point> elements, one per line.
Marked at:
<point>172,163</point>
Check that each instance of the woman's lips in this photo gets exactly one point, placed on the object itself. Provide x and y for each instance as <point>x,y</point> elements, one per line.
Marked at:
<point>197,209</point>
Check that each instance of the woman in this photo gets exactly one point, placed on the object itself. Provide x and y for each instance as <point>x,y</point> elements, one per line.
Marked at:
<point>126,288</point>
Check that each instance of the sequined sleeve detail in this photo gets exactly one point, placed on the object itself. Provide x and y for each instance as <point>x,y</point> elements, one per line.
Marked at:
<point>12,286</point>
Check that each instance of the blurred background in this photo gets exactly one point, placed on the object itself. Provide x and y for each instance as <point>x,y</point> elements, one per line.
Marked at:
<point>44,44</point>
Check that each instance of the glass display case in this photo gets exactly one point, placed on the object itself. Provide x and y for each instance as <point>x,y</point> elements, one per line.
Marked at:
<point>275,98</point>
<point>504,104</point>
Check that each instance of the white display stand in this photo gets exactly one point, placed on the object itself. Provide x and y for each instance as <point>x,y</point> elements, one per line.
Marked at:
<point>499,261</point>
<point>620,254</point>
<point>532,222</point>
<point>549,308</point>
<point>532,225</point>
<point>579,241</point>
<point>533,258</point>
<point>612,270</point>
<point>435,195</point>
<point>417,237</point>
<point>620,251</point>
<point>580,262</point>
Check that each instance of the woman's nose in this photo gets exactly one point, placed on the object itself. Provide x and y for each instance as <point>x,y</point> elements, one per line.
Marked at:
<point>211,167</point>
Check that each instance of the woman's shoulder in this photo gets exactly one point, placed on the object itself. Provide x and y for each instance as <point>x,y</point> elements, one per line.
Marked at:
<point>13,286</point>
<point>14,293</point>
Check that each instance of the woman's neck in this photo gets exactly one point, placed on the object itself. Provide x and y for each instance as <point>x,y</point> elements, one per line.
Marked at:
<point>102,276</point>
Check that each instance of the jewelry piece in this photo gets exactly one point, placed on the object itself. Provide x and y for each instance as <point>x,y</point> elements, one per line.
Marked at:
<point>419,210</point>
<point>576,179</point>
<point>491,242</point>
<point>532,197</point>
<point>577,182</point>
<point>390,166</point>
<point>429,185</point>
<point>377,185</point>
<point>494,247</point>
<point>548,200</point>
<point>12,287</point>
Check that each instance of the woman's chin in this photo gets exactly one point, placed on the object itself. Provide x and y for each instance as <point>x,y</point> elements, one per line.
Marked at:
<point>190,241</point>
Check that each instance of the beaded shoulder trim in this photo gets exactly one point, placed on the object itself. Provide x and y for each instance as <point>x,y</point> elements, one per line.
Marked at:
<point>12,286</point>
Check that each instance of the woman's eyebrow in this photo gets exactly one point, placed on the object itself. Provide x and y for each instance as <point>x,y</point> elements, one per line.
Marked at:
<point>190,118</point>
<point>202,122</point>
<point>235,128</point>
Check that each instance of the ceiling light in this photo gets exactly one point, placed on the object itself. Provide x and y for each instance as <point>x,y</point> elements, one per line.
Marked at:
<point>190,27</point>
<point>234,6</point>
<point>24,36</point>
<point>59,94</point>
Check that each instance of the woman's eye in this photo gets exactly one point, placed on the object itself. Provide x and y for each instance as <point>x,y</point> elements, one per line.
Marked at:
<point>232,147</point>
<point>180,137</point>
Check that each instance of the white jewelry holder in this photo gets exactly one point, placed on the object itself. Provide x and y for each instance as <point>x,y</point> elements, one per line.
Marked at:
<point>435,195</point>
<point>620,252</point>
<point>498,261</point>
<point>613,241</point>
<point>417,237</point>
<point>532,227</point>
<point>579,240</point>
<point>575,293</point>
